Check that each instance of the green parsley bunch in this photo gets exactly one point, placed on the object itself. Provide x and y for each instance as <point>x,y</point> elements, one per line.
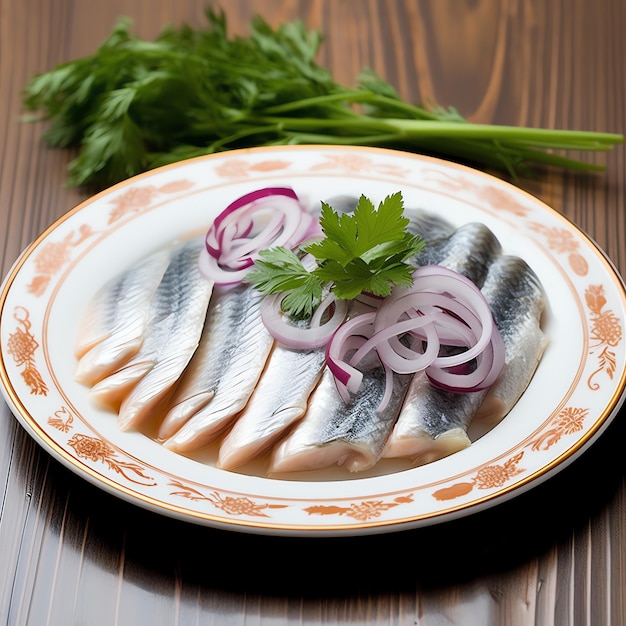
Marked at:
<point>134,105</point>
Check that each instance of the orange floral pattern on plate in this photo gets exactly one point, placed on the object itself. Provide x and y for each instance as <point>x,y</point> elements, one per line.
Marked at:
<point>22,346</point>
<point>494,197</point>
<point>487,477</point>
<point>136,199</point>
<point>96,450</point>
<point>562,241</point>
<point>240,168</point>
<point>361,511</point>
<point>53,256</point>
<point>359,164</point>
<point>568,422</point>
<point>62,420</point>
<point>228,504</point>
<point>606,333</point>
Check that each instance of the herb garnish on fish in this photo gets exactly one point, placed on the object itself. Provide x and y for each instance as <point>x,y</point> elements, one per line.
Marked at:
<point>361,252</point>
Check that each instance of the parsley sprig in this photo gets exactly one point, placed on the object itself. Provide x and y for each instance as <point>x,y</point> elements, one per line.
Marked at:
<point>134,105</point>
<point>363,251</point>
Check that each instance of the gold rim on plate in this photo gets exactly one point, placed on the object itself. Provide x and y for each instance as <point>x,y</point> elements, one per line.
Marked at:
<point>576,392</point>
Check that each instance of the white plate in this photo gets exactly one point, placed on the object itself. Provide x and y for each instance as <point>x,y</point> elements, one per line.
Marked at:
<point>575,393</point>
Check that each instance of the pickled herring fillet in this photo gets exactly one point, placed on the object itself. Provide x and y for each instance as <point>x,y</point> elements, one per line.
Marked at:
<point>113,327</point>
<point>279,400</point>
<point>523,337</point>
<point>434,423</point>
<point>177,313</point>
<point>469,250</point>
<point>335,433</point>
<point>225,320</point>
<point>239,371</point>
<point>428,224</point>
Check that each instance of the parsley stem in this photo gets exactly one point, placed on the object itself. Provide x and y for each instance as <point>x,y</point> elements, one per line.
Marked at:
<point>406,129</point>
<point>355,96</point>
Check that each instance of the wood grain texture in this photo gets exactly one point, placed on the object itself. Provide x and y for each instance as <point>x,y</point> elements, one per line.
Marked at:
<point>71,554</point>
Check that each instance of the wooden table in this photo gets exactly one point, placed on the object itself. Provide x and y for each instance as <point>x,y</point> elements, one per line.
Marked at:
<point>71,554</point>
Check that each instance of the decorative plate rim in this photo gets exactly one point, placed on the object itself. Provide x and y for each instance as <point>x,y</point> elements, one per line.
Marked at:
<point>34,311</point>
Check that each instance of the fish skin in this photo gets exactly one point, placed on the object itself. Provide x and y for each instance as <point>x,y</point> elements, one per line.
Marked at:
<point>279,400</point>
<point>523,337</point>
<point>112,329</point>
<point>335,433</point>
<point>469,250</point>
<point>218,342</point>
<point>340,204</point>
<point>177,314</point>
<point>240,371</point>
<point>433,229</point>
<point>433,422</point>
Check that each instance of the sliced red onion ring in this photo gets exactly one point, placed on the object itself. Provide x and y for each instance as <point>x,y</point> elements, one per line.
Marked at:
<point>461,294</point>
<point>488,368</point>
<point>267,217</point>
<point>252,196</point>
<point>315,335</point>
<point>211,270</point>
<point>442,308</point>
<point>402,363</point>
<point>347,379</point>
<point>361,326</point>
<point>388,390</point>
<point>237,248</point>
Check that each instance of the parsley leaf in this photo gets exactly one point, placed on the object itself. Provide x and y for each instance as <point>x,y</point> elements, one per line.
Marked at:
<point>357,277</point>
<point>365,251</point>
<point>280,270</point>
<point>367,233</point>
